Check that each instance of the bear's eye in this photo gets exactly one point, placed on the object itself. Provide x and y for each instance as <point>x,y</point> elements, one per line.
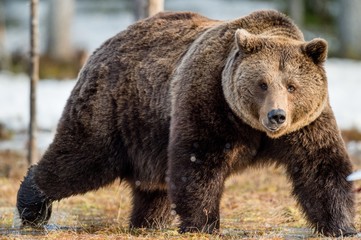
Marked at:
<point>263,86</point>
<point>291,88</point>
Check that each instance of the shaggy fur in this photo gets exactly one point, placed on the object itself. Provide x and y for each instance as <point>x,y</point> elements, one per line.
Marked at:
<point>178,102</point>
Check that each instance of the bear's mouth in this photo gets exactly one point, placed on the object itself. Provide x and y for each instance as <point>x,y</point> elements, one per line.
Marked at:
<point>271,127</point>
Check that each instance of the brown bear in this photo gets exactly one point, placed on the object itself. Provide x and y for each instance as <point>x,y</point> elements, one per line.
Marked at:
<point>178,102</point>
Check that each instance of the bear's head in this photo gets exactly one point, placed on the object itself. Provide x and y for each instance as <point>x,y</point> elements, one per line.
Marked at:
<point>275,84</point>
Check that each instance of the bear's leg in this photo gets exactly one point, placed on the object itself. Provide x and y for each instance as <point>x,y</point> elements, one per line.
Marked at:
<point>72,165</point>
<point>323,192</point>
<point>151,209</point>
<point>316,161</point>
<point>198,205</point>
<point>196,186</point>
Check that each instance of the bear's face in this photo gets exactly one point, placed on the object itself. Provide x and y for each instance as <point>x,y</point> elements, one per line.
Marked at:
<point>274,84</point>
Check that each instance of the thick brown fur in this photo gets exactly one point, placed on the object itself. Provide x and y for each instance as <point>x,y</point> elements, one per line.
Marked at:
<point>178,102</point>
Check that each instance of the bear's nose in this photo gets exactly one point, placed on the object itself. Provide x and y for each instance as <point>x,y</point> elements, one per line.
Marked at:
<point>277,116</point>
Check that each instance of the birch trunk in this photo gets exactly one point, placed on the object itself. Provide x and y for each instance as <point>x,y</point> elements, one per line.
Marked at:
<point>350,29</point>
<point>147,8</point>
<point>34,77</point>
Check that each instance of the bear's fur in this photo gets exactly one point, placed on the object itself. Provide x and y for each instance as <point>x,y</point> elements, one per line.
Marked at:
<point>177,102</point>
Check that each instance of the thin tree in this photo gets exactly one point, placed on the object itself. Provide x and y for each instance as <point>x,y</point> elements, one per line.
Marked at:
<point>297,11</point>
<point>3,63</point>
<point>59,22</point>
<point>147,8</point>
<point>34,77</point>
<point>350,28</point>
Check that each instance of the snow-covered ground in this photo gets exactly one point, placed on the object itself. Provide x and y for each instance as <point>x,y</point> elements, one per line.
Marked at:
<point>344,78</point>
<point>14,101</point>
<point>14,108</point>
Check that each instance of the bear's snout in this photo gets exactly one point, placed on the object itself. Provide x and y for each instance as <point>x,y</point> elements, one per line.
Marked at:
<point>275,119</point>
<point>276,116</point>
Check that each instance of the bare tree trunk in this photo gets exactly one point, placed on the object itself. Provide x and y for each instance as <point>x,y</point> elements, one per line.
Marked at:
<point>60,16</point>
<point>3,57</point>
<point>350,29</point>
<point>147,8</point>
<point>34,77</point>
<point>155,6</point>
<point>297,10</point>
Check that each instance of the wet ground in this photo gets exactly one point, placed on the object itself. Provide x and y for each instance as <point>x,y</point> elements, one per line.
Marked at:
<point>95,224</point>
<point>256,205</point>
<point>278,233</point>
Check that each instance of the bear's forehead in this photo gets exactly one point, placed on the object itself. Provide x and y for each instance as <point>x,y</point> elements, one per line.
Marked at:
<point>286,48</point>
<point>282,57</point>
<point>280,66</point>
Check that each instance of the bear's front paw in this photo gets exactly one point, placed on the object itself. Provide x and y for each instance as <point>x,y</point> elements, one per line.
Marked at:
<point>33,206</point>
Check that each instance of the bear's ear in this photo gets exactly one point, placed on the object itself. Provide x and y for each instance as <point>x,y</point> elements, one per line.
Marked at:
<point>247,42</point>
<point>316,49</point>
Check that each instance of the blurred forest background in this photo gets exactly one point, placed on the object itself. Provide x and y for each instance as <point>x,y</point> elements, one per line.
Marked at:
<point>70,30</point>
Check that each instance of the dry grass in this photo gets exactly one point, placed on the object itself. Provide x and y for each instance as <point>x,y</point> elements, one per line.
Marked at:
<point>256,205</point>
<point>5,134</point>
<point>352,134</point>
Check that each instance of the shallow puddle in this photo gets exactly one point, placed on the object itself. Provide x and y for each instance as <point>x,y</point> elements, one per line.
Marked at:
<point>284,233</point>
<point>90,224</point>
<point>36,231</point>
<point>10,224</point>
<point>276,232</point>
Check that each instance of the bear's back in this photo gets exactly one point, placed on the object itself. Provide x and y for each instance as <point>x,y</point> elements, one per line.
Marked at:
<point>159,40</point>
<point>123,88</point>
<point>139,61</point>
